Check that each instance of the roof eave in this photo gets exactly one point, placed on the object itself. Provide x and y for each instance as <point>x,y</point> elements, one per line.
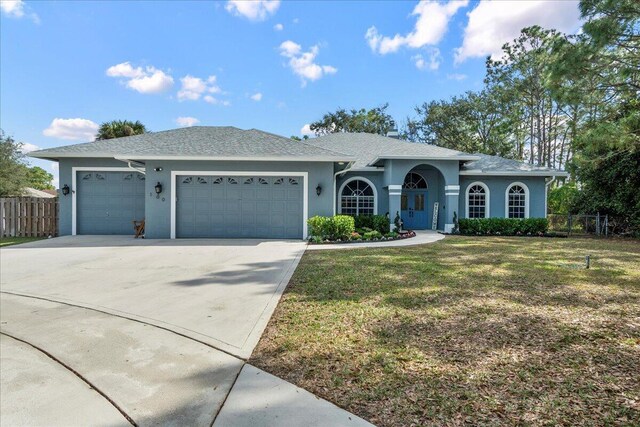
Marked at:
<point>56,156</point>
<point>52,155</point>
<point>240,158</point>
<point>477,172</point>
<point>466,157</point>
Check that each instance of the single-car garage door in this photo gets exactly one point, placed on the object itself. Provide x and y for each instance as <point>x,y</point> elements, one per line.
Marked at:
<point>108,202</point>
<point>239,206</point>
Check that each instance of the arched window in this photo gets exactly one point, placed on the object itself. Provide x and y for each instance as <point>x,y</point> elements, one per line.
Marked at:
<point>414,181</point>
<point>517,201</point>
<point>477,200</point>
<point>358,197</point>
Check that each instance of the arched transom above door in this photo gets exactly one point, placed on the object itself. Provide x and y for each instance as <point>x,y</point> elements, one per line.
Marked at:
<point>414,181</point>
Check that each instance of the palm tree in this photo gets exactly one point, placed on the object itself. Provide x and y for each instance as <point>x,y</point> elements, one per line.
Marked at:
<point>120,128</point>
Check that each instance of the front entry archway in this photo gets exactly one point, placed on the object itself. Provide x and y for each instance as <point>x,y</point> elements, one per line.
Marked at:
<point>413,202</point>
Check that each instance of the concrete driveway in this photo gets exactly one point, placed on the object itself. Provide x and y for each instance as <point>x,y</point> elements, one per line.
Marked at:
<point>219,292</point>
<point>117,332</point>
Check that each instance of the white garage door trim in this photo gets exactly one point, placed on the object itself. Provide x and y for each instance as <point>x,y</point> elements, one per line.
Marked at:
<point>305,194</point>
<point>74,175</point>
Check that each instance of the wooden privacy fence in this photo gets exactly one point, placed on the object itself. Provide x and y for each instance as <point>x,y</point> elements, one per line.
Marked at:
<point>28,217</point>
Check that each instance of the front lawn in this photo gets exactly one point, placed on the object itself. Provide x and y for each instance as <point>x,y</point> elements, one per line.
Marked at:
<point>8,241</point>
<point>467,330</point>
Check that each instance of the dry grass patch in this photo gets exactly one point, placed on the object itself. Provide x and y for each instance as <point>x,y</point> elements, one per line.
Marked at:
<point>480,331</point>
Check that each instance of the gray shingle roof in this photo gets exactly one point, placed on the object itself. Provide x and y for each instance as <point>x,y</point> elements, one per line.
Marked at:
<point>207,142</point>
<point>367,148</point>
<point>499,165</point>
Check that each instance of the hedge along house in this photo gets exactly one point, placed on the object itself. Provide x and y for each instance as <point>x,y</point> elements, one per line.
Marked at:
<point>227,182</point>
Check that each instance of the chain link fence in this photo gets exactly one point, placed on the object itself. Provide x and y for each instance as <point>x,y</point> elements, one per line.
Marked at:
<point>579,224</point>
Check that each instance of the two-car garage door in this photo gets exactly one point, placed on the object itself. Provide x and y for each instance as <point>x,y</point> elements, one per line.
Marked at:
<point>239,206</point>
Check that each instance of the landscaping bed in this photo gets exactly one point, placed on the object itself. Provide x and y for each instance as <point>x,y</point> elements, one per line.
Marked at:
<point>357,237</point>
<point>351,229</point>
<point>466,331</point>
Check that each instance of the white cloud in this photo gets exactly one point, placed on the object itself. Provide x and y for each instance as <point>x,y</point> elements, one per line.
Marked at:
<point>257,96</point>
<point>187,121</point>
<point>28,147</point>
<point>256,10</point>
<point>306,130</point>
<point>429,61</point>
<point>278,27</point>
<point>456,76</point>
<point>72,129</point>
<point>215,101</point>
<point>195,87</point>
<point>494,23</point>
<point>431,26</point>
<point>303,63</point>
<point>17,9</point>
<point>147,80</point>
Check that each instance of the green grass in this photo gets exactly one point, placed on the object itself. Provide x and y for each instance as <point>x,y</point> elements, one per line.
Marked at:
<point>479,331</point>
<point>8,241</point>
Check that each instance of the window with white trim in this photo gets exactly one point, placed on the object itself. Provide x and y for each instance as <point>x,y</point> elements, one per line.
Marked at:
<point>477,199</point>
<point>357,198</point>
<point>517,202</point>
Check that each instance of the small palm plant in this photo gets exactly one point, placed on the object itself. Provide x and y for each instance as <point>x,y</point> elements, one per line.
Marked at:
<point>120,128</point>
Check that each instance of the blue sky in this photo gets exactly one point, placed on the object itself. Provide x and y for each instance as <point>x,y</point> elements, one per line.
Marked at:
<point>275,66</point>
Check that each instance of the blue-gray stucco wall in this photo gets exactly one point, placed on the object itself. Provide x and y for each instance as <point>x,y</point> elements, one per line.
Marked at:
<point>158,210</point>
<point>497,194</point>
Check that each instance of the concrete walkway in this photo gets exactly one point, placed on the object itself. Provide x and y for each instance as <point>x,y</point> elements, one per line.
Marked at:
<point>261,399</point>
<point>422,237</point>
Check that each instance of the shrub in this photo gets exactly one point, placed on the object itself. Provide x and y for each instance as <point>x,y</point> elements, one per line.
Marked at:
<point>372,235</point>
<point>381,224</point>
<point>332,228</point>
<point>503,226</point>
<point>372,222</point>
<point>363,221</point>
<point>344,226</point>
<point>322,226</point>
<point>391,235</point>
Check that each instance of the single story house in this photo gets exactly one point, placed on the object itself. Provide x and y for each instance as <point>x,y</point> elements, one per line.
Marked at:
<point>227,182</point>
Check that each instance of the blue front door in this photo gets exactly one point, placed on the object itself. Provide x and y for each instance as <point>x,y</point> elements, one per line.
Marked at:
<point>413,205</point>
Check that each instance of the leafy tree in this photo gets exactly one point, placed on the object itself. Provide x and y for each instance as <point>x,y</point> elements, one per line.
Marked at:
<point>375,120</point>
<point>607,143</point>
<point>119,129</point>
<point>39,178</point>
<point>13,173</point>
<point>297,138</point>
<point>561,198</point>
<point>538,118</point>
<point>472,123</point>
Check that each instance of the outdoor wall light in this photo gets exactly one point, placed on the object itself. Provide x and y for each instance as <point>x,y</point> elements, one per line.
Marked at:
<point>158,169</point>
<point>318,189</point>
<point>65,190</point>
<point>158,189</point>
